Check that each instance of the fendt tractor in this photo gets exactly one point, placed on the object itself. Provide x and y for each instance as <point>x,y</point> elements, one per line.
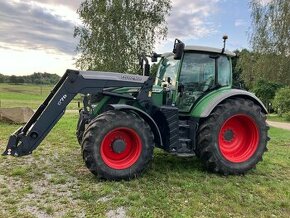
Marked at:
<point>190,108</point>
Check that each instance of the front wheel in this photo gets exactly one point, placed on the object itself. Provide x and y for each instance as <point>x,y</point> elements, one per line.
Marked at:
<point>233,138</point>
<point>117,145</point>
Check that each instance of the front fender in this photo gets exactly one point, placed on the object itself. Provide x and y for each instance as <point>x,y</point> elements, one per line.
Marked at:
<point>145,116</point>
<point>206,105</point>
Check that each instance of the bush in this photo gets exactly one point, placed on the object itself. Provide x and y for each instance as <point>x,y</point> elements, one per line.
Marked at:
<point>281,101</point>
<point>265,90</point>
<point>287,116</point>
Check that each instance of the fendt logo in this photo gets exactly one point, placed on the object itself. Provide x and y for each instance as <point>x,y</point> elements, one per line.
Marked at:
<point>59,103</point>
<point>132,78</point>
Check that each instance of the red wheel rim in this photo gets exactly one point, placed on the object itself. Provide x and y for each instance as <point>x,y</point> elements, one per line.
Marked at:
<point>126,156</point>
<point>238,138</point>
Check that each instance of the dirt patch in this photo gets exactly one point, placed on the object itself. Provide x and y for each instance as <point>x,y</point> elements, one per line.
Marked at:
<point>279,125</point>
<point>120,212</point>
<point>105,199</point>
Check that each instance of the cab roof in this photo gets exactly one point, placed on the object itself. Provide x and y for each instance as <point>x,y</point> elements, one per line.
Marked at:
<point>203,49</point>
<point>208,49</point>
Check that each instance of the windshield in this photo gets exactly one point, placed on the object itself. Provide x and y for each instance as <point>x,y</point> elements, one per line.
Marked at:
<point>168,68</point>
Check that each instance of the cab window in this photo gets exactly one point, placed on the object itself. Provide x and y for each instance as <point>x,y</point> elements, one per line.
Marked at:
<point>197,71</point>
<point>168,69</point>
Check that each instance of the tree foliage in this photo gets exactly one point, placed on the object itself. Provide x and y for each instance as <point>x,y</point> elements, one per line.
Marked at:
<point>115,32</point>
<point>282,100</point>
<point>271,39</point>
<point>2,78</point>
<point>36,78</point>
<point>237,71</point>
<point>245,68</point>
<point>266,90</point>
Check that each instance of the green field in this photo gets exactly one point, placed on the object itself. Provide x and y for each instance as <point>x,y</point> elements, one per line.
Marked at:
<point>26,96</point>
<point>275,117</point>
<point>54,182</point>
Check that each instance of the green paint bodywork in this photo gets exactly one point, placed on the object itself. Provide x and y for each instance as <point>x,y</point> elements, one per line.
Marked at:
<point>97,108</point>
<point>157,95</point>
<point>204,102</point>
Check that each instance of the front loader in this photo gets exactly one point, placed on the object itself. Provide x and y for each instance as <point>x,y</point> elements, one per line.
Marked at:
<point>189,109</point>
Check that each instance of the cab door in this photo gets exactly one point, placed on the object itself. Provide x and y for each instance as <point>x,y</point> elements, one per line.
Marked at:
<point>196,77</point>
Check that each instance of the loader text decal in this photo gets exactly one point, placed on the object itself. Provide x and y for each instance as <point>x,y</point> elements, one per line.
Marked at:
<point>59,103</point>
<point>131,78</point>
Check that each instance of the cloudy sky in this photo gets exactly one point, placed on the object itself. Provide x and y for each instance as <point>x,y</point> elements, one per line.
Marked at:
<point>37,35</point>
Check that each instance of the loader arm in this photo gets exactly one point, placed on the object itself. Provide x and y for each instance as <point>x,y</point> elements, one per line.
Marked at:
<point>27,138</point>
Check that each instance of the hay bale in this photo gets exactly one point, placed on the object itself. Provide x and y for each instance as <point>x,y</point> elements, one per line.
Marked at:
<point>18,115</point>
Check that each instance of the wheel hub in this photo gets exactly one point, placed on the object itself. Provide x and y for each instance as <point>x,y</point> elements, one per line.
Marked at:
<point>229,135</point>
<point>119,146</point>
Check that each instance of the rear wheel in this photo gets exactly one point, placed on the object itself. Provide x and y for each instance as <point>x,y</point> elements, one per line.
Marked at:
<point>117,145</point>
<point>233,138</point>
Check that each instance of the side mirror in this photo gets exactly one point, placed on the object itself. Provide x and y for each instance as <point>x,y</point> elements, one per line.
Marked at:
<point>178,49</point>
<point>154,57</point>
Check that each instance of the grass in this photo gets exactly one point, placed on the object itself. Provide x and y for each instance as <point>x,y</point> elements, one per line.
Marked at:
<point>275,117</point>
<point>26,96</point>
<point>54,182</point>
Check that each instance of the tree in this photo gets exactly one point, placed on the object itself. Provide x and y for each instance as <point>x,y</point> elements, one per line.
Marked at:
<point>154,69</point>
<point>282,100</point>
<point>271,39</point>
<point>115,32</point>
<point>237,71</point>
<point>266,90</point>
<point>2,78</point>
<point>13,79</point>
<point>245,68</point>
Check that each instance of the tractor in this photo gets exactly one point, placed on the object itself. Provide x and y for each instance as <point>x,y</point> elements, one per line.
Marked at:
<point>189,108</point>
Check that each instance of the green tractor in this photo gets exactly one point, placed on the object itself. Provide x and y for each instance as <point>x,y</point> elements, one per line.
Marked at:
<point>189,109</point>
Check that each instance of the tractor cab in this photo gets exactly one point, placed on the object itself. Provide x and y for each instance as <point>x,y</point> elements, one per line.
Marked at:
<point>197,71</point>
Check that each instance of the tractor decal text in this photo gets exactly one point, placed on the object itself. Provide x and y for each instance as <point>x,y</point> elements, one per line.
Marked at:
<point>131,78</point>
<point>59,103</point>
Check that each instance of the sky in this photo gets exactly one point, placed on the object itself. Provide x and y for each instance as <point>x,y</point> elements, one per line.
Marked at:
<point>37,35</point>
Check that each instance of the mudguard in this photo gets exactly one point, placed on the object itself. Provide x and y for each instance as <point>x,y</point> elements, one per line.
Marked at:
<point>145,116</point>
<point>206,105</point>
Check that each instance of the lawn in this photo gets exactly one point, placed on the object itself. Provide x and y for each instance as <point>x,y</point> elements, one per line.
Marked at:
<point>27,96</point>
<point>275,117</point>
<point>53,182</point>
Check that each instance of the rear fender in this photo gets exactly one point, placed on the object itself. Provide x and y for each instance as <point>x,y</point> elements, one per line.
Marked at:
<point>207,104</point>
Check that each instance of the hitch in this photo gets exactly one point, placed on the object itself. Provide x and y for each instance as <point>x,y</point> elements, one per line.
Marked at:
<point>13,141</point>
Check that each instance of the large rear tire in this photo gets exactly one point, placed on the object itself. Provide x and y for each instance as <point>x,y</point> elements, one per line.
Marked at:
<point>233,138</point>
<point>117,145</point>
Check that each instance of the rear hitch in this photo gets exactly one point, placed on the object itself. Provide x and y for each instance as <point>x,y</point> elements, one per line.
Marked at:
<point>12,143</point>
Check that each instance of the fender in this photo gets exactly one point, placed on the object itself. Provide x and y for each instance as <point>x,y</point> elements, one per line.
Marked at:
<point>206,105</point>
<point>145,116</point>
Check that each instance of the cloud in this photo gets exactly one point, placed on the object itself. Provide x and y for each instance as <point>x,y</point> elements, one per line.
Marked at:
<point>190,19</point>
<point>26,25</point>
<point>72,4</point>
<point>240,23</point>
